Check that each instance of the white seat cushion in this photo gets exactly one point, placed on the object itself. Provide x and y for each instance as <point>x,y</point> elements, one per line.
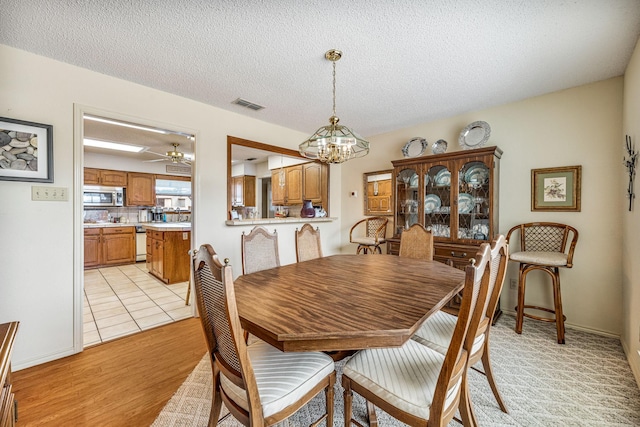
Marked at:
<point>556,259</point>
<point>367,240</point>
<point>282,378</point>
<point>437,330</point>
<point>404,376</point>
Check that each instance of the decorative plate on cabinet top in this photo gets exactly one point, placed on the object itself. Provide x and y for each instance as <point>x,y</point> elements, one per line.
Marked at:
<point>414,147</point>
<point>442,178</point>
<point>439,147</point>
<point>474,135</point>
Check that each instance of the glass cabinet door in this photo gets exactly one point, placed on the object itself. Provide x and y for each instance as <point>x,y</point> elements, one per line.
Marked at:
<point>407,196</point>
<point>437,201</point>
<point>474,201</point>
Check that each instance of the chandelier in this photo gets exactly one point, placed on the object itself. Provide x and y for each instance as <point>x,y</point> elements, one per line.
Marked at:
<point>334,143</point>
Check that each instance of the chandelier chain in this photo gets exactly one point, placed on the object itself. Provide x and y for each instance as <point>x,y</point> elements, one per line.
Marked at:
<point>334,87</point>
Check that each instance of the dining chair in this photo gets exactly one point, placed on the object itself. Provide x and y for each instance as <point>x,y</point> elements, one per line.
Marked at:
<point>259,385</point>
<point>414,383</point>
<point>259,250</point>
<point>369,234</point>
<point>544,246</point>
<point>437,330</point>
<point>308,244</point>
<point>416,242</point>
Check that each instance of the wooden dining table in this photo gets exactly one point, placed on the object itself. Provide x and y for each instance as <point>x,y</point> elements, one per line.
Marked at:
<point>344,302</point>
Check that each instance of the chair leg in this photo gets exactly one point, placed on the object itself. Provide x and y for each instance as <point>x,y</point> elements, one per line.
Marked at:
<point>329,401</point>
<point>348,398</point>
<point>557,299</point>
<point>520,306</point>
<point>488,371</point>
<point>216,399</point>
<point>465,407</point>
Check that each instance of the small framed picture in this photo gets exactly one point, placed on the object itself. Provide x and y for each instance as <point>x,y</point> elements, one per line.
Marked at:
<point>26,151</point>
<point>556,189</point>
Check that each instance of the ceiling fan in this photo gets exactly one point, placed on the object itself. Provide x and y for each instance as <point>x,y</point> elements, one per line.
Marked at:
<point>173,156</point>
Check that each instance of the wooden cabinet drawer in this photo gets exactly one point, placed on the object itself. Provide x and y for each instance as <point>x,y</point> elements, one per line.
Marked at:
<point>91,231</point>
<point>118,230</point>
<point>156,234</point>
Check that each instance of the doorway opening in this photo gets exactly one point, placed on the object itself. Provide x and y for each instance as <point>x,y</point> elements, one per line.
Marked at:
<point>127,287</point>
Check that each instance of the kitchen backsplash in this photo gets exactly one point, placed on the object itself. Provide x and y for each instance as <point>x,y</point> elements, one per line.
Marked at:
<point>127,214</point>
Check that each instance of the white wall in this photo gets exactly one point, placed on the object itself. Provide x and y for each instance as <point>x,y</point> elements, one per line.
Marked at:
<point>631,221</point>
<point>579,126</point>
<point>38,281</point>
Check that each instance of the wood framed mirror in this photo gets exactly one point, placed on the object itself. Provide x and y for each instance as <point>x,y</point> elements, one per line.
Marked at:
<point>378,193</point>
<point>265,181</point>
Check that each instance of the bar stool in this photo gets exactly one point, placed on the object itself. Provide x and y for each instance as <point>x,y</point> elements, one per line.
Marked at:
<point>374,230</point>
<point>543,246</point>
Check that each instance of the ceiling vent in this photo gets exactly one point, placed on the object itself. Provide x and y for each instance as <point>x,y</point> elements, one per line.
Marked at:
<point>250,105</point>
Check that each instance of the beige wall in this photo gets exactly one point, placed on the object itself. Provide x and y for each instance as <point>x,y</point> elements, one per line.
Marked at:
<point>631,222</point>
<point>579,126</point>
<point>39,284</point>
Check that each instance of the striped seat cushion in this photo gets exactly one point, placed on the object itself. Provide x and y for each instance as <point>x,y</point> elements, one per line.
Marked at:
<point>282,378</point>
<point>556,259</point>
<point>403,376</point>
<point>437,330</point>
<point>367,240</point>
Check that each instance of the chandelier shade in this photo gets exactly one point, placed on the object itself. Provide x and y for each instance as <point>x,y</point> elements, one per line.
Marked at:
<point>334,143</point>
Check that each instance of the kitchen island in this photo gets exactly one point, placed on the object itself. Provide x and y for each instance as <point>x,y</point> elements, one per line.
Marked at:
<point>168,245</point>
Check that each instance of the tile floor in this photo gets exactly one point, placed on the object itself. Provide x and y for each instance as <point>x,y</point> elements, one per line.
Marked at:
<point>123,300</point>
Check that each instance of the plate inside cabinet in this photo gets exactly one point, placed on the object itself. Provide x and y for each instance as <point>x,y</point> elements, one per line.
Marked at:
<point>414,147</point>
<point>478,174</point>
<point>474,135</point>
<point>465,203</point>
<point>442,178</point>
<point>439,147</point>
<point>432,203</point>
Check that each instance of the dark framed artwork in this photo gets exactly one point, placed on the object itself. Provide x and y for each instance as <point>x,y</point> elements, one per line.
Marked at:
<point>556,189</point>
<point>26,151</point>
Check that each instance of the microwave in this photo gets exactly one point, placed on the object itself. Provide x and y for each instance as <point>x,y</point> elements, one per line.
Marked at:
<point>103,196</point>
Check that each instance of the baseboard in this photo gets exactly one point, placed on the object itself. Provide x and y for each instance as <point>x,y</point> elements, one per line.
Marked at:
<point>631,357</point>
<point>23,364</point>
<point>573,326</point>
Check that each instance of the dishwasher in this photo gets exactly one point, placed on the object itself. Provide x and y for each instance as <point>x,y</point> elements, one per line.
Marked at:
<point>141,243</point>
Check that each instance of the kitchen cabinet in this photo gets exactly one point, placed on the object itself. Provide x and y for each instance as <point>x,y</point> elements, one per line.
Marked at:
<point>168,255</point>
<point>141,189</point>
<point>455,195</point>
<point>379,197</point>
<point>293,185</point>
<point>8,414</point>
<point>105,177</point>
<point>105,246</point>
<point>243,188</point>
<point>307,181</point>
<point>278,183</point>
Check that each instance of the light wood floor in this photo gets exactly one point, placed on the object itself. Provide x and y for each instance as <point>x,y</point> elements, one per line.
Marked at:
<point>125,382</point>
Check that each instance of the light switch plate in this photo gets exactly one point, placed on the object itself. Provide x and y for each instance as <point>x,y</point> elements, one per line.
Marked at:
<point>49,193</point>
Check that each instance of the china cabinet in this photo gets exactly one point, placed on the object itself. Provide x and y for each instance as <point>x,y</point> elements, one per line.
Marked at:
<point>455,195</point>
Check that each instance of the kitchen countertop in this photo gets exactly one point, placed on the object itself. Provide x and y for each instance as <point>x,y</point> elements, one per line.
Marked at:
<point>167,226</point>
<point>109,224</point>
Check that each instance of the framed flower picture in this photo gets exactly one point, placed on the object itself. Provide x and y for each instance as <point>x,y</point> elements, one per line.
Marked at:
<point>556,189</point>
<point>26,151</point>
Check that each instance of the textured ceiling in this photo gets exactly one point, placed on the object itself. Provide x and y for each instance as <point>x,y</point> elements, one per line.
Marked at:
<point>405,62</point>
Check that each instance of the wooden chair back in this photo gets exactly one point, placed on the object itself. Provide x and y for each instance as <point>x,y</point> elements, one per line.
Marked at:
<point>308,243</point>
<point>374,227</point>
<point>416,242</point>
<point>546,237</point>
<point>259,250</point>
<point>455,364</point>
<point>216,301</point>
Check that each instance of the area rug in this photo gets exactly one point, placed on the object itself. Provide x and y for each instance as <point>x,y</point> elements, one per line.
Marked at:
<point>586,382</point>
